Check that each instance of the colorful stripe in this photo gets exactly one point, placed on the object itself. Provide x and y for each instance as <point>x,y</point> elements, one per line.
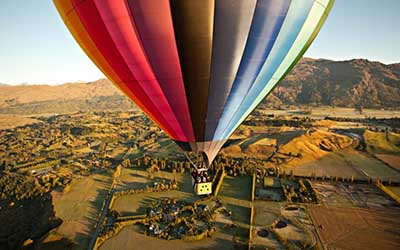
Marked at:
<point>154,25</point>
<point>231,29</point>
<point>272,73</point>
<point>267,22</point>
<point>196,68</point>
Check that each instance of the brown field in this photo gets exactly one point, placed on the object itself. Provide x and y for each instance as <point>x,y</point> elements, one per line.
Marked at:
<point>348,163</point>
<point>392,160</point>
<point>79,208</point>
<point>323,111</point>
<point>265,212</point>
<point>332,164</point>
<point>12,121</point>
<point>138,178</point>
<point>357,229</point>
<point>131,238</point>
<point>352,195</point>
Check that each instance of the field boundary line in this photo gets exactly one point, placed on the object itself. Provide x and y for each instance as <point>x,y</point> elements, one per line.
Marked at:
<point>388,191</point>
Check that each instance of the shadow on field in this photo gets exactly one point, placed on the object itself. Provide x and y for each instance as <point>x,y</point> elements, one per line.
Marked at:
<point>240,214</point>
<point>61,244</point>
<point>285,137</point>
<point>238,187</point>
<point>221,244</point>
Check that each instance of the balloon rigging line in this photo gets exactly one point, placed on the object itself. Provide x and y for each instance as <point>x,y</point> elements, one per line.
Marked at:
<point>187,156</point>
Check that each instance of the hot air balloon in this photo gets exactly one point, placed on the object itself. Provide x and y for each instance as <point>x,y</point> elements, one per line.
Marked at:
<point>197,68</point>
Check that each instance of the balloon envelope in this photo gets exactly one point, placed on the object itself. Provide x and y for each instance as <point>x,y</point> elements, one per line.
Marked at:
<point>197,68</point>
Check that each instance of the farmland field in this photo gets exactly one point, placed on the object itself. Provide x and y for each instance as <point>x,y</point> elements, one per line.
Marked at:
<point>134,204</point>
<point>79,207</point>
<point>371,166</point>
<point>392,160</point>
<point>348,163</point>
<point>382,142</point>
<point>265,212</point>
<point>357,229</point>
<point>323,111</point>
<point>235,195</point>
<point>12,121</point>
<point>352,195</point>
<point>138,178</point>
<point>332,164</point>
<point>130,237</point>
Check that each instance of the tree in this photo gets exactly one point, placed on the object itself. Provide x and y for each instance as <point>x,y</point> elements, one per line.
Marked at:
<point>359,107</point>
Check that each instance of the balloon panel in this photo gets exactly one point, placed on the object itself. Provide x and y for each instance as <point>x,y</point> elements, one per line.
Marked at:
<point>232,20</point>
<point>267,22</point>
<point>196,68</point>
<point>260,89</point>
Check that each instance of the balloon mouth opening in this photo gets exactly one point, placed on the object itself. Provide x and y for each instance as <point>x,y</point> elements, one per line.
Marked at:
<point>203,152</point>
<point>198,160</point>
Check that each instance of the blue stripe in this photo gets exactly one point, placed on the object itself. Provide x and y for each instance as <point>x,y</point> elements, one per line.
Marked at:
<point>232,22</point>
<point>267,22</point>
<point>310,26</point>
<point>296,16</point>
<point>293,22</point>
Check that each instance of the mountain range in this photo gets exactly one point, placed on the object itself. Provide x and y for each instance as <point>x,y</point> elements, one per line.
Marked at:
<point>351,83</point>
<point>340,83</point>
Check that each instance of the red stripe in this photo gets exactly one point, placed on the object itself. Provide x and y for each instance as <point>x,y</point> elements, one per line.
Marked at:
<point>123,52</point>
<point>154,23</point>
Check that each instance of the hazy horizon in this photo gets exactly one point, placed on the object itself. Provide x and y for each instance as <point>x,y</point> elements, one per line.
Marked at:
<point>104,77</point>
<point>40,50</point>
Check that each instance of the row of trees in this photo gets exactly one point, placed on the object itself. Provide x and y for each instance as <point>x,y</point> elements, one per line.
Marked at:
<point>14,186</point>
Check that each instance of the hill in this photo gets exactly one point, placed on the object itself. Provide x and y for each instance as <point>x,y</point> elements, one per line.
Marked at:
<point>65,98</point>
<point>340,83</point>
<point>15,95</point>
<point>350,83</point>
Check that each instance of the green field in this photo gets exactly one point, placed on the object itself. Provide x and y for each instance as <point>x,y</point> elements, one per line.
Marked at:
<point>79,207</point>
<point>382,142</point>
<point>348,163</point>
<point>332,164</point>
<point>135,204</point>
<point>164,148</point>
<point>138,178</point>
<point>372,167</point>
<point>235,195</point>
<point>265,212</point>
<point>391,160</point>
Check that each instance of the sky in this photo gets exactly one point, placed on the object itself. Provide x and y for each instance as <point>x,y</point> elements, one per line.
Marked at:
<point>36,47</point>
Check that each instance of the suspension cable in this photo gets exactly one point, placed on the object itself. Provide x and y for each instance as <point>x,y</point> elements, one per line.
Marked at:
<point>190,160</point>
